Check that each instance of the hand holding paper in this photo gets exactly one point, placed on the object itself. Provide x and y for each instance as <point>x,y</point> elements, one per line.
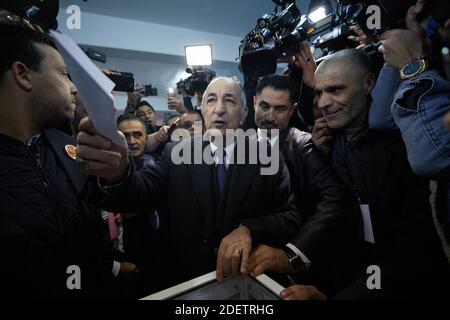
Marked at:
<point>99,156</point>
<point>93,87</point>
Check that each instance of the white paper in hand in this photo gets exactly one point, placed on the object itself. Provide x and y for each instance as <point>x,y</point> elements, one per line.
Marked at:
<point>93,87</point>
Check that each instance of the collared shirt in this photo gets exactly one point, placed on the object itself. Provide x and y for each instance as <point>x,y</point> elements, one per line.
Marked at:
<point>145,160</point>
<point>263,136</point>
<point>33,139</point>
<point>229,150</point>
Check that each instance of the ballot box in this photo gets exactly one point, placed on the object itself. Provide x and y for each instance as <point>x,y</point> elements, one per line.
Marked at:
<point>207,287</point>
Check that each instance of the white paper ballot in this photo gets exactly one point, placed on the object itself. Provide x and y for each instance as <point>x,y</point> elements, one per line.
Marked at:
<point>368,231</point>
<point>93,87</point>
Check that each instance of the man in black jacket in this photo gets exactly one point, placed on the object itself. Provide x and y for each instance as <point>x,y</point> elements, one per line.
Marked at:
<point>320,196</point>
<point>213,211</point>
<point>52,245</point>
<point>399,238</point>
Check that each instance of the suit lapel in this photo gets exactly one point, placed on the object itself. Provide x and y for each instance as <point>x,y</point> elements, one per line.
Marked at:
<point>203,183</point>
<point>240,179</point>
<point>58,141</point>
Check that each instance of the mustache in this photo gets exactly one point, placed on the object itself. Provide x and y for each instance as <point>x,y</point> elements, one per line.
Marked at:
<point>133,147</point>
<point>267,123</point>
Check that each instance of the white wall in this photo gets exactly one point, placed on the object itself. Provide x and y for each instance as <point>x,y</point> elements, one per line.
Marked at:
<point>161,71</point>
<point>113,32</point>
<point>153,52</point>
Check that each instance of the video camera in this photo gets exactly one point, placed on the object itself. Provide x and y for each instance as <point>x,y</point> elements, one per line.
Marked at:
<point>278,36</point>
<point>124,82</point>
<point>198,81</point>
<point>40,12</point>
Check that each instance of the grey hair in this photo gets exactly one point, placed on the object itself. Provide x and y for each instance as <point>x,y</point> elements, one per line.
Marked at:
<point>232,79</point>
<point>352,58</point>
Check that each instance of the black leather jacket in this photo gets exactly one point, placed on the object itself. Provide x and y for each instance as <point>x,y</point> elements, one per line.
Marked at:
<point>324,202</point>
<point>44,228</point>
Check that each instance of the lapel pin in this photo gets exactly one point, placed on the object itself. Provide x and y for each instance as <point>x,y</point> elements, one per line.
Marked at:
<point>71,151</point>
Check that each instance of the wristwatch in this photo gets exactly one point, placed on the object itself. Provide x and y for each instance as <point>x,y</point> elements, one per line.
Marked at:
<point>295,262</point>
<point>414,67</point>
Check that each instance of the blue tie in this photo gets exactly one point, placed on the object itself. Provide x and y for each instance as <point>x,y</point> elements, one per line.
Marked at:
<point>221,169</point>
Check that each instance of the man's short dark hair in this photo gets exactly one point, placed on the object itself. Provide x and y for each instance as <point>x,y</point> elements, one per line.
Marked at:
<point>19,44</point>
<point>279,83</point>
<point>196,113</point>
<point>145,103</point>
<point>129,117</point>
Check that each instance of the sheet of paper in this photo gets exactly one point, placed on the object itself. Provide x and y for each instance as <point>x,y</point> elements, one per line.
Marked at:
<point>93,87</point>
<point>368,231</point>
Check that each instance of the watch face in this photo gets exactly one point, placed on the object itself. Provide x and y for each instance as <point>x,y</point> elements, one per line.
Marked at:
<point>412,67</point>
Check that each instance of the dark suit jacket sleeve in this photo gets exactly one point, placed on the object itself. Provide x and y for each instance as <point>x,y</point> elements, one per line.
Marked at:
<point>100,245</point>
<point>275,229</point>
<point>330,205</point>
<point>404,260</point>
<point>415,251</point>
<point>26,262</point>
<point>139,192</point>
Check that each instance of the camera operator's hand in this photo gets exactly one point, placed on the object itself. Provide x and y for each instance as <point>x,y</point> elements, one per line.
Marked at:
<point>162,134</point>
<point>176,103</point>
<point>134,97</point>
<point>98,156</point>
<point>183,92</point>
<point>303,59</point>
<point>198,99</point>
<point>403,45</point>
<point>360,37</point>
<point>321,135</point>
<point>7,17</point>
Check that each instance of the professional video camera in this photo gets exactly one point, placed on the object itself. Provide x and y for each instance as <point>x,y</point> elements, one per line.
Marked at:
<point>198,81</point>
<point>124,82</point>
<point>278,36</point>
<point>40,12</point>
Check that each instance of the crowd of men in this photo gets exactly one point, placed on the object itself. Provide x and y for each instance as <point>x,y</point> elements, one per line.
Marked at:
<point>352,195</point>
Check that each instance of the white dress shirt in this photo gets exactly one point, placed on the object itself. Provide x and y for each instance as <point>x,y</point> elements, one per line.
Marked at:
<point>229,150</point>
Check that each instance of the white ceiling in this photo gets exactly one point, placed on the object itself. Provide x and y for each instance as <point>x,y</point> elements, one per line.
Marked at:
<point>230,17</point>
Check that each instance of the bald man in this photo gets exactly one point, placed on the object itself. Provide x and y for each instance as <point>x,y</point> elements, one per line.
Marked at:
<point>213,212</point>
<point>393,201</point>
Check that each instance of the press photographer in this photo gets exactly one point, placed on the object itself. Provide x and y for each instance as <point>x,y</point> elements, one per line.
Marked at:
<point>194,85</point>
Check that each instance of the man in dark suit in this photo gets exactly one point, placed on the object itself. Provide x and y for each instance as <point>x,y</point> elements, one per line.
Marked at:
<point>398,234</point>
<point>327,222</point>
<point>213,211</point>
